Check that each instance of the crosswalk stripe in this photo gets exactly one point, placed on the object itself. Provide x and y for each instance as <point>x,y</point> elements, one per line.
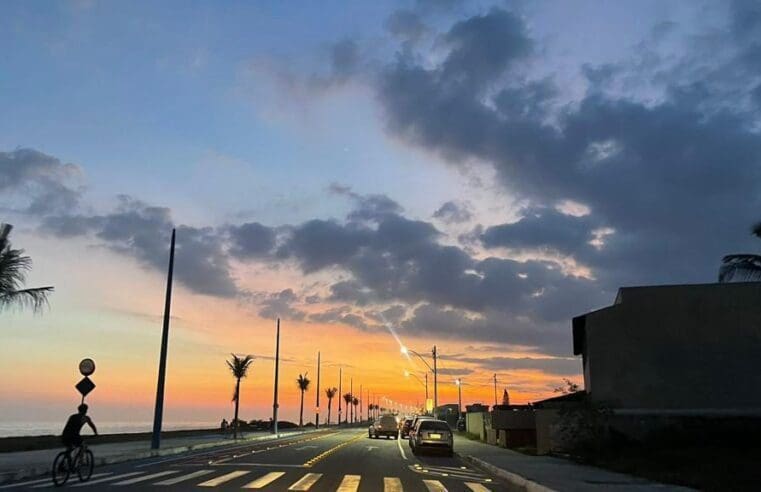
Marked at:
<point>476,487</point>
<point>182,478</point>
<point>392,484</point>
<point>306,482</point>
<point>130,481</point>
<point>49,482</point>
<point>264,480</point>
<point>350,483</point>
<point>434,486</point>
<point>107,479</point>
<point>224,478</point>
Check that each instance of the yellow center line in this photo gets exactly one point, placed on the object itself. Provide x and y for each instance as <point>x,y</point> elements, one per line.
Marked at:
<point>332,450</point>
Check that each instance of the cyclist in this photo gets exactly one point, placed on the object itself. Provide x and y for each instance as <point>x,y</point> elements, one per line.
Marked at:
<point>71,438</point>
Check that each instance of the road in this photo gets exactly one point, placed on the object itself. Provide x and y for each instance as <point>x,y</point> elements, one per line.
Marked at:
<point>334,460</point>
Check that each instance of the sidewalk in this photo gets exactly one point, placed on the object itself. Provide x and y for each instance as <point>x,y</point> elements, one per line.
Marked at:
<point>25,464</point>
<point>546,473</point>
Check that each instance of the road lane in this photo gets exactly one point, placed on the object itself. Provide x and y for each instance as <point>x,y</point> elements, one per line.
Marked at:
<point>345,460</point>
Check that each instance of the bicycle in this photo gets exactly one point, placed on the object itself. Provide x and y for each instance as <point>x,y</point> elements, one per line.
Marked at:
<point>82,463</point>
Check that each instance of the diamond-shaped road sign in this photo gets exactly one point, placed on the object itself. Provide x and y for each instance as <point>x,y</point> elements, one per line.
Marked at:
<point>85,386</point>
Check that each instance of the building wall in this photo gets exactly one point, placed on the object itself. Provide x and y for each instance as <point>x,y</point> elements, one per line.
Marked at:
<point>677,347</point>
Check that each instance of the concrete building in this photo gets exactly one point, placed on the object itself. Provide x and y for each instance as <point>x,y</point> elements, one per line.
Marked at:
<point>681,350</point>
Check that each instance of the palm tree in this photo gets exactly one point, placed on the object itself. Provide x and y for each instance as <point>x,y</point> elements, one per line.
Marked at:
<point>13,268</point>
<point>303,382</point>
<point>330,393</point>
<point>742,267</point>
<point>347,398</point>
<point>355,402</point>
<point>239,367</point>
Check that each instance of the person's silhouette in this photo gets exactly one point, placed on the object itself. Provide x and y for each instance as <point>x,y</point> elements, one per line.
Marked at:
<point>71,437</point>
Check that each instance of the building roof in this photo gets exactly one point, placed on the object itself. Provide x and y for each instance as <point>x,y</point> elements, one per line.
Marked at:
<point>575,397</point>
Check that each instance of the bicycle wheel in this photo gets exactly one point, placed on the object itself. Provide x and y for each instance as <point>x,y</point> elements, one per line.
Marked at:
<point>60,469</point>
<point>85,465</point>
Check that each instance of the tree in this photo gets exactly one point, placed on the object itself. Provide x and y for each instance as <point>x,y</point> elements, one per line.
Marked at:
<point>355,402</point>
<point>567,387</point>
<point>330,393</point>
<point>303,383</point>
<point>742,267</point>
<point>13,268</point>
<point>239,367</point>
<point>347,398</point>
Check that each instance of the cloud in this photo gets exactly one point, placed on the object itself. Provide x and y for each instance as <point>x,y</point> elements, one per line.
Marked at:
<point>251,240</point>
<point>141,231</point>
<point>675,177</point>
<point>279,305</point>
<point>45,184</point>
<point>551,365</point>
<point>453,213</point>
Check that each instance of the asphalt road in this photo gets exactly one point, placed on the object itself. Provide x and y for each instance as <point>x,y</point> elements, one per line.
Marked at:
<point>336,460</point>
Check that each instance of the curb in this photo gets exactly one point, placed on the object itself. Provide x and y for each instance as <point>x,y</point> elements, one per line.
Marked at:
<point>39,470</point>
<point>513,479</point>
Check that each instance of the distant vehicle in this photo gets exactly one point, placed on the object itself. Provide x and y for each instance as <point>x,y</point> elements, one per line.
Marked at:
<point>414,423</point>
<point>406,426</point>
<point>432,434</point>
<point>386,425</point>
<point>461,424</point>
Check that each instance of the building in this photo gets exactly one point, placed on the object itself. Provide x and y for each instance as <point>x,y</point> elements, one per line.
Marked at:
<point>675,350</point>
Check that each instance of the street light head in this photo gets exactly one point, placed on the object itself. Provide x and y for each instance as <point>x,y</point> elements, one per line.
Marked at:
<point>404,350</point>
<point>406,374</point>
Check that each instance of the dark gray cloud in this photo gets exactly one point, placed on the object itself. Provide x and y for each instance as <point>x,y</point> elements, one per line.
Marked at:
<point>344,57</point>
<point>251,240</point>
<point>279,305</point>
<point>677,179</point>
<point>552,365</point>
<point>406,25</point>
<point>142,232</point>
<point>44,183</point>
<point>453,213</point>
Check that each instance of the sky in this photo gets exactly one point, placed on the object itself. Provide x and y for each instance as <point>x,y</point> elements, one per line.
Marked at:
<point>375,174</point>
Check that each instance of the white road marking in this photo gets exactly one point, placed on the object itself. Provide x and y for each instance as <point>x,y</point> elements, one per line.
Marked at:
<point>264,480</point>
<point>434,486</point>
<point>350,483</point>
<point>106,479</point>
<point>476,487</point>
<point>224,478</point>
<point>302,448</point>
<point>401,451</point>
<point>50,484</point>
<point>183,478</point>
<point>392,484</point>
<point>306,482</point>
<point>130,481</point>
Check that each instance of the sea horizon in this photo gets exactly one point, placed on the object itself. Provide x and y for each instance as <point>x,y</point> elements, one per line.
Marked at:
<point>46,428</point>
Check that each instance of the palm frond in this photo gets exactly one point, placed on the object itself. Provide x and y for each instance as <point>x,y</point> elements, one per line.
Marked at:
<point>740,268</point>
<point>13,268</point>
<point>347,398</point>
<point>303,381</point>
<point>239,365</point>
<point>331,392</point>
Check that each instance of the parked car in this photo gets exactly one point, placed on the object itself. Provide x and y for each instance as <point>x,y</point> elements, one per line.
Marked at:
<point>406,426</point>
<point>432,434</point>
<point>386,425</point>
<point>414,423</point>
<point>461,424</point>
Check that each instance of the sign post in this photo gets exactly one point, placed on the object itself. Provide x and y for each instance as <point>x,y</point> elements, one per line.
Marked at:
<point>85,385</point>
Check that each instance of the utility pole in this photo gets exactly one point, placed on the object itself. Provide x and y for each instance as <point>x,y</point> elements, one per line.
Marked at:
<point>317,412</point>
<point>495,389</point>
<point>340,395</point>
<point>459,398</point>
<point>360,403</point>
<point>435,386</point>
<point>351,403</point>
<point>158,413</point>
<point>277,369</point>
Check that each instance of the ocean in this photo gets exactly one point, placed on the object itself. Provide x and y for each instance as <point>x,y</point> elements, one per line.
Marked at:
<point>13,429</point>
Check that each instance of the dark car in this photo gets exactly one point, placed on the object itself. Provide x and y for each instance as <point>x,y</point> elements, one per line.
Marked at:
<point>461,424</point>
<point>434,435</point>
<point>406,426</point>
<point>386,425</point>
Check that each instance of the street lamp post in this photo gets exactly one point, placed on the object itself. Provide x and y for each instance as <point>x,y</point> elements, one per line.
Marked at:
<point>433,369</point>
<point>459,397</point>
